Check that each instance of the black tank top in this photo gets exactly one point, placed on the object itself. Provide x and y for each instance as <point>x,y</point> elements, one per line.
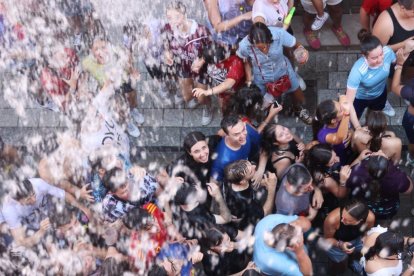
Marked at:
<point>348,232</point>
<point>400,34</point>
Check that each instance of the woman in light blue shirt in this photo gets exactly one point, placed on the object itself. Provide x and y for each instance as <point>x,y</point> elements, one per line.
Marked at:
<point>262,51</point>
<point>367,81</point>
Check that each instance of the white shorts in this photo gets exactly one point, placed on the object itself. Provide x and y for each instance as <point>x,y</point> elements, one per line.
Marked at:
<point>308,6</point>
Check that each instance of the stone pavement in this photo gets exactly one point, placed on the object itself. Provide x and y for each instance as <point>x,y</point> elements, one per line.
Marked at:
<point>165,124</point>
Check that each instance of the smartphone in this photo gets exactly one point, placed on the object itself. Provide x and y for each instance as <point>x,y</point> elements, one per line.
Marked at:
<point>276,104</point>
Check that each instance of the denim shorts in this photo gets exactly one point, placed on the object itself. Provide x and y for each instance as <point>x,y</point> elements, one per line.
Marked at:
<point>373,104</point>
<point>337,255</point>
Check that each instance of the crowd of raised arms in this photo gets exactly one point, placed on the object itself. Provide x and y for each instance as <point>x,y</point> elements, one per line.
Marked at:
<point>252,200</point>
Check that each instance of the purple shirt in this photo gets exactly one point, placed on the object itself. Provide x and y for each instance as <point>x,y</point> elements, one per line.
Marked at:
<point>392,184</point>
<point>340,148</point>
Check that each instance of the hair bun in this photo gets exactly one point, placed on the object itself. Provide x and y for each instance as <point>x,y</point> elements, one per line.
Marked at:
<point>363,34</point>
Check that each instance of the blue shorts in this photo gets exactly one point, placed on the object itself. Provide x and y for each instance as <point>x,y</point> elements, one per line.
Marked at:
<point>408,125</point>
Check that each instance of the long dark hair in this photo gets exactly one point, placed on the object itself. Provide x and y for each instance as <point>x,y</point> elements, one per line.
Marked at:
<point>214,53</point>
<point>377,124</point>
<point>269,138</point>
<point>317,159</point>
<point>260,33</point>
<point>325,113</point>
<point>389,242</point>
<point>357,209</point>
<point>377,167</point>
<point>245,102</point>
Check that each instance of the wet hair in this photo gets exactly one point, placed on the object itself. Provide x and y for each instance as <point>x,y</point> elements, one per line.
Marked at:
<point>236,171</point>
<point>186,190</point>
<point>212,237</point>
<point>229,121</point>
<point>317,159</point>
<point>389,243</point>
<point>407,4</point>
<point>269,138</point>
<point>157,270</point>
<point>136,218</point>
<point>245,101</point>
<point>377,123</point>
<point>325,113</point>
<point>357,209</point>
<point>368,42</point>
<point>251,272</point>
<point>191,139</point>
<point>260,33</point>
<point>178,6</point>
<point>111,181</point>
<point>283,234</point>
<point>110,266</point>
<point>1,145</point>
<point>60,214</point>
<point>377,167</point>
<point>23,190</point>
<point>44,145</point>
<point>214,53</point>
<point>298,175</point>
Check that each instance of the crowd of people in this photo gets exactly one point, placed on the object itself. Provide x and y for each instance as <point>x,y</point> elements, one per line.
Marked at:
<point>254,199</point>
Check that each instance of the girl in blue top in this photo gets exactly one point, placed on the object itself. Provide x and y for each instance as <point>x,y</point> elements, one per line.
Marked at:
<point>367,81</point>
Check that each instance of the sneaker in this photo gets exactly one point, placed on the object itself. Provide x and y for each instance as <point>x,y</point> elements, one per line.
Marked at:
<point>302,83</point>
<point>207,115</point>
<point>388,109</point>
<point>312,39</point>
<point>133,130</point>
<point>304,116</point>
<point>319,21</point>
<point>193,103</point>
<point>137,116</point>
<point>48,104</point>
<point>342,36</point>
<point>178,101</point>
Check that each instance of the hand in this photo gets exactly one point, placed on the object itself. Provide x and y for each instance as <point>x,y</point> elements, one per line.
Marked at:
<point>213,189</point>
<point>199,92</point>
<point>197,257</point>
<point>345,105</point>
<point>380,153</point>
<point>197,65</point>
<point>301,55</point>
<point>408,46</point>
<point>269,181</point>
<point>86,193</point>
<point>192,242</point>
<point>364,154</point>
<point>247,16</point>
<point>138,172</point>
<point>301,146</point>
<point>235,219</point>
<point>162,178</point>
<point>168,58</point>
<point>347,247</point>
<point>273,110</point>
<point>44,225</point>
<point>299,159</point>
<point>344,173</point>
<point>317,199</point>
<point>73,80</point>
<point>401,57</point>
<point>257,179</point>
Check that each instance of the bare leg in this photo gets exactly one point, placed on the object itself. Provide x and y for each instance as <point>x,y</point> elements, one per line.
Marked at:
<point>318,5</point>
<point>131,97</point>
<point>335,12</point>
<point>186,88</point>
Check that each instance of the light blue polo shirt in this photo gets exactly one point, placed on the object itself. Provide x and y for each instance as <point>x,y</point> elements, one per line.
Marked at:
<point>370,82</point>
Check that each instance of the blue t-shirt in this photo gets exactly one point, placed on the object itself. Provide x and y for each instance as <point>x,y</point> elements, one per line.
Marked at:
<point>225,155</point>
<point>266,258</point>
<point>370,82</point>
<point>177,251</point>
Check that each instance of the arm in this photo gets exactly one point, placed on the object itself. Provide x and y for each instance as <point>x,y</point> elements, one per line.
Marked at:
<point>216,20</point>
<point>410,188</point>
<point>273,111</point>
<point>20,237</point>
<point>338,137</point>
<point>258,175</point>
<point>270,182</point>
<point>330,226</point>
<point>304,262</point>
<point>225,215</point>
<point>396,80</point>
<point>364,19</point>
<point>222,87</point>
<point>383,29</point>
<point>72,201</point>
<point>350,94</point>
<point>248,72</point>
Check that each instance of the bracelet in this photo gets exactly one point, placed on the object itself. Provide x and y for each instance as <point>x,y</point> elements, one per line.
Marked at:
<point>342,184</point>
<point>398,66</point>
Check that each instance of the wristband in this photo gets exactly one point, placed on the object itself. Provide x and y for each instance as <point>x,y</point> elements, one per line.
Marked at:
<point>398,66</point>
<point>342,184</point>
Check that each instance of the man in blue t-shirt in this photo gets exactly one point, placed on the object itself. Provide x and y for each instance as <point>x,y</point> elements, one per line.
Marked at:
<point>241,141</point>
<point>278,247</point>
